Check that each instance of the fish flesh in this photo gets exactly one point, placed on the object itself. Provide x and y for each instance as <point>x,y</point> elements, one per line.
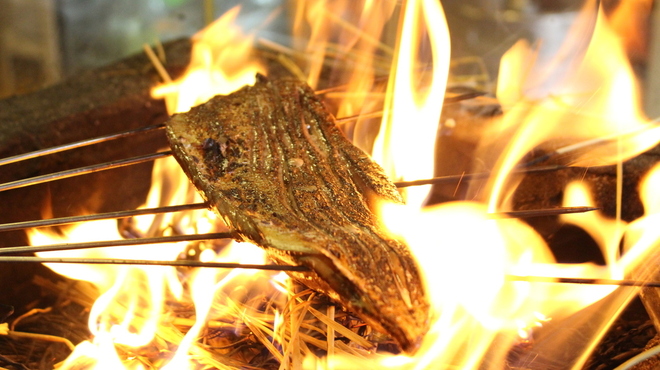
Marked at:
<point>272,162</point>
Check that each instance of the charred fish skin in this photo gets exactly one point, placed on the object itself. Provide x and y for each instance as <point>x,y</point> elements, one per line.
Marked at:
<point>271,161</point>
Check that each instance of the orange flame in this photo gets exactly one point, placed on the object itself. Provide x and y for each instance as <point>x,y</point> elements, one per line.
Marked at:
<point>589,105</point>
<point>586,103</point>
<point>343,39</point>
<point>406,140</point>
<point>129,310</point>
<point>221,62</point>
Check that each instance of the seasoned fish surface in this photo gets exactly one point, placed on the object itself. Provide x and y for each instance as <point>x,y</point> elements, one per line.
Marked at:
<point>271,161</point>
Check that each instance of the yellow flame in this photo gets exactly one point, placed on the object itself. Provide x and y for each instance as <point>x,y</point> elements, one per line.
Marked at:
<point>204,285</point>
<point>347,41</point>
<point>639,239</point>
<point>642,235</point>
<point>98,355</point>
<point>466,256</point>
<point>129,311</point>
<point>515,67</point>
<point>606,232</point>
<point>405,144</point>
<point>221,62</point>
<point>630,20</point>
<point>584,103</point>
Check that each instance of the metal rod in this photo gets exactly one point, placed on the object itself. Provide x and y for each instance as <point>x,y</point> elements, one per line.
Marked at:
<point>187,207</point>
<point>176,263</point>
<point>359,116</point>
<point>189,263</point>
<point>457,97</point>
<point>460,97</point>
<point>448,100</point>
<point>82,171</point>
<point>78,144</point>
<point>345,86</point>
<point>99,216</point>
<point>593,143</point>
<point>473,176</point>
<point>563,280</point>
<point>115,243</point>
<point>540,212</point>
<point>150,157</point>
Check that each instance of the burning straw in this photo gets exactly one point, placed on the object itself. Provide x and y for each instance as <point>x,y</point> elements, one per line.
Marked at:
<point>246,330</point>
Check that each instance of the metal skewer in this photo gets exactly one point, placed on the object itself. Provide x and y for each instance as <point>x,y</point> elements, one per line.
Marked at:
<point>7,254</point>
<point>525,168</point>
<point>175,263</point>
<point>474,176</point>
<point>116,243</point>
<point>587,281</point>
<point>82,171</point>
<point>178,238</point>
<point>78,144</point>
<point>188,207</point>
<point>448,100</point>
<point>192,237</point>
<point>465,96</point>
<point>232,265</point>
<point>150,157</point>
<point>358,116</point>
<point>595,142</point>
<point>99,216</point>
<point>542,212</point>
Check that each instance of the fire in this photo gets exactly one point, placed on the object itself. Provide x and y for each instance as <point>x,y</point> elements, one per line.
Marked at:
<point>129,313</point>
<point>586,103</point>
<point>415,88</point>
<point>221,62</point>
<point>588,106</point>
<point>209,280</point>
<point>582,106</point>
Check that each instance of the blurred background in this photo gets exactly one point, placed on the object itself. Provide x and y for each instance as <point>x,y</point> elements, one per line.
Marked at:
<point>44,41</point>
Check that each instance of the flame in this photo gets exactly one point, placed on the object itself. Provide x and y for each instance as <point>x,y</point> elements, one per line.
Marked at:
<point>630,20</point>
<point>586,103</point>
<point>583,106</point>
<point>208,281</point>
<point>606,232</point>
<point>466,273</point>
<point>641,236</point>
<point>221,62</point>
<point>406,140</point>
<point>350,32</point>
<point>129,311</point>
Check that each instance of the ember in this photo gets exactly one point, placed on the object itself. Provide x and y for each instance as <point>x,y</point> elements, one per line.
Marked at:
<point>454,285</point>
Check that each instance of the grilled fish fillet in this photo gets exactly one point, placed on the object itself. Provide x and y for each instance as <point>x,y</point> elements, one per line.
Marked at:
<point>272,163</point>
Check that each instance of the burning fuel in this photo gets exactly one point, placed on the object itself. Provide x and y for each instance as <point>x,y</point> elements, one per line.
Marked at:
<point>582,107</point>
